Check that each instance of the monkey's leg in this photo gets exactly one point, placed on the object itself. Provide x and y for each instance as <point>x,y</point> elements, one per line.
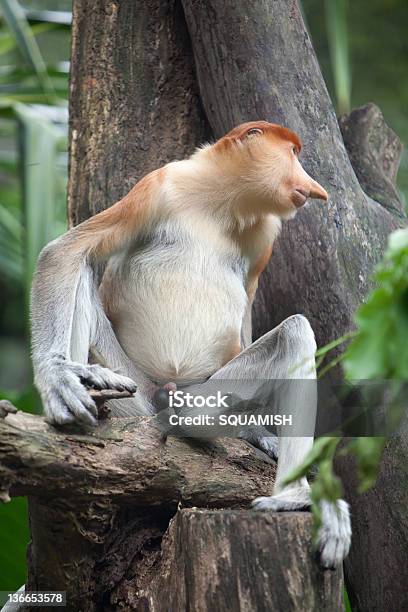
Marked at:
<point>287,354</point>
<point>284,354</point>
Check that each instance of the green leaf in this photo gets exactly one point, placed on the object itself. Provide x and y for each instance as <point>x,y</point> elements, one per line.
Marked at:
<point>323,448</point>
<point>11,231</point>
<point>336,22</point>
<point>8,41</point>
<point>368,452</point>
<point>334,344</point>
<point>379,349</point>
<point>326,485</point>
<point>39,142</point>
<point>14,538</point>
<point>397,243</point>
<point>27,45</point>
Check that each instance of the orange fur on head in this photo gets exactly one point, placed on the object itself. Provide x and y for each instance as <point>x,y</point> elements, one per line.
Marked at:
<point>269,129</point>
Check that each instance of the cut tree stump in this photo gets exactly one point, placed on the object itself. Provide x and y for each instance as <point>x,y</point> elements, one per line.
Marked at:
<point>240,561</point>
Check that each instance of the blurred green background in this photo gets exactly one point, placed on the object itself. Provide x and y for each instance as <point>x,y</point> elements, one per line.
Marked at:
<point>362,48</point>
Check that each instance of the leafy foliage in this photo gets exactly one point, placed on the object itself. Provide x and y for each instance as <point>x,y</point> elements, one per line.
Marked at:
<point>14,537</point>
<point>19,27</point>
<point>337,30</point>
<point>380,349</point>
<point>29,218</point>
<point>326,484</point>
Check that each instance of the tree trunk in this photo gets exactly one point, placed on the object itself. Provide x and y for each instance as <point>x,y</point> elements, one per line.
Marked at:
<point>134,102</point>
<point>137,102</point>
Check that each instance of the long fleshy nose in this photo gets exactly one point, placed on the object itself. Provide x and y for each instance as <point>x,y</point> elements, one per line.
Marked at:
<point>306,186</point>
<point>317,191</point>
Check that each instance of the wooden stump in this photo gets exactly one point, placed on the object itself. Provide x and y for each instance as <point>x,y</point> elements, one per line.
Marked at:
<point>235,560</point>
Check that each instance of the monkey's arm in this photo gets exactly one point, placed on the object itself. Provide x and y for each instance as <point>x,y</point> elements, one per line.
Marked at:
<point>67,315</point>
<point>256,246</point>
<point>257,266</point>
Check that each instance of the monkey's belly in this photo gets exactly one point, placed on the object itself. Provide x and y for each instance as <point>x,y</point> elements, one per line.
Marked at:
<point>180,331</point>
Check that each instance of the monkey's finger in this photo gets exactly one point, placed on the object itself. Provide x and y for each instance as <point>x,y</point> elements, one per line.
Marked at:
<point>57,412</point>
<point>90,375</point>
<point>75,395</point>
<point>83,410</point>
<point>103,378</point>
<point>77,399</point>
<point>118,382</point>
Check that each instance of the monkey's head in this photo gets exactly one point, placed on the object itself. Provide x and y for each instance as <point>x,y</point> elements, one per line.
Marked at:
<point>266,174</point>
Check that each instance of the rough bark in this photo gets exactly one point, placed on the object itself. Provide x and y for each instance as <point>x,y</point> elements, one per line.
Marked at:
<point>101,502</point>
<point>127,461</point>
<point>376,571</point>
<point>134,102</point>
<point>231,560</point>
<point>375,153</point>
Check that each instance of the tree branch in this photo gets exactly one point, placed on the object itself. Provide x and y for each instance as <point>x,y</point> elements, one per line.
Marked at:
<point>127,461</point>
<point>375,153</point>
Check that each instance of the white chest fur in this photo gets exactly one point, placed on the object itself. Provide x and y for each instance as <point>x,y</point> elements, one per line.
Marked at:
<point>178,300</point>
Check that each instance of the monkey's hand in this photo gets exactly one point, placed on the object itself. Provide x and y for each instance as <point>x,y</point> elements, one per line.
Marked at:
<point>63,387</point>
<point>334,534</point>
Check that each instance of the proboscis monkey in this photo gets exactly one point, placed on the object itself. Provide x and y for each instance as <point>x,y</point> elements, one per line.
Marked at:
<point>183,252</point>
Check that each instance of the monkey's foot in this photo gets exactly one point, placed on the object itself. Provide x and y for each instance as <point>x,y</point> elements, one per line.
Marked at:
<point>66,398</point>
<point>288,500</point>
<point>334,534</point>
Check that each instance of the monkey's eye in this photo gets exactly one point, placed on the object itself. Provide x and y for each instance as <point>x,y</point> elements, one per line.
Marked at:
<point>295,150</point>
<point>254,132</point>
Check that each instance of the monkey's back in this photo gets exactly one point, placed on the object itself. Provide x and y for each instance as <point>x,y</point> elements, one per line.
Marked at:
<point>177,301</point>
